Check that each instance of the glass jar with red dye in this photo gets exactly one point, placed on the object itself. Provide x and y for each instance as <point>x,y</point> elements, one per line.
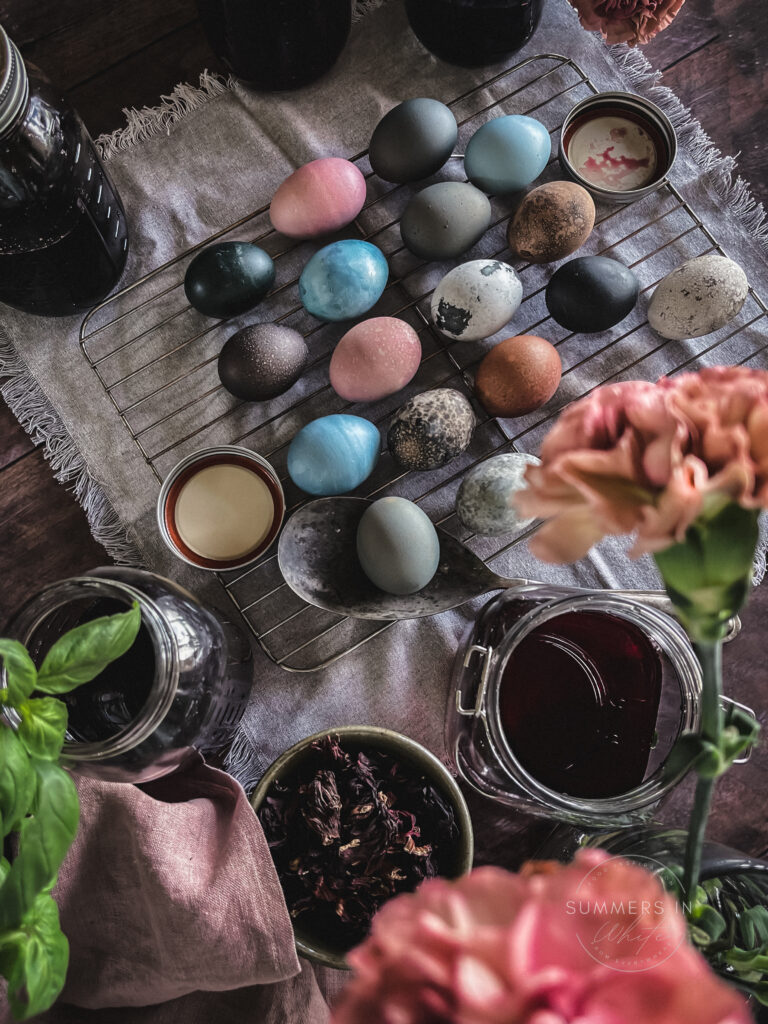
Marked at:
<point>567,704</point>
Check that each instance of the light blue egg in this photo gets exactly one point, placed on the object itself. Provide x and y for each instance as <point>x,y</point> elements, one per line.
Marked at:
<point>343,280</point>
<point>507,153</point>
<point>333,454</point>
<point>398,546</point>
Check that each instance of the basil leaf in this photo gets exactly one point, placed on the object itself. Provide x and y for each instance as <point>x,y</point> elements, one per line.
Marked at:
<point>20,671</point>
<point>85,651</point>
<point>17,780</point>
<point>35,962</point>
<point>43,727</point>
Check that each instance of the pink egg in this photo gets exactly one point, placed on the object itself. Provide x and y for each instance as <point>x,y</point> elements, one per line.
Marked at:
<point>374,359</point>
<point>320,197</point>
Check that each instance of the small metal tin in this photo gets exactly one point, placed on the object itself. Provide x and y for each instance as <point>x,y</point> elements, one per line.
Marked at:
<point>184,471</point>
<point>636,109</point>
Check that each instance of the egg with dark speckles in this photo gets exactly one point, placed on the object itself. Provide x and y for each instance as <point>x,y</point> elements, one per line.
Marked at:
<point>518,375</point>
<point>591,294</point>
<point>413,140</point>
<point>552,221</point>
<point>476,299</point>
<point>507,153</point>
<point>228,279</point>
<point>431,429</point>
<point>262,361</point>
<point>698,297</point>
<point>484,500</point>
<point>397,545</point>
<point>444,220</point>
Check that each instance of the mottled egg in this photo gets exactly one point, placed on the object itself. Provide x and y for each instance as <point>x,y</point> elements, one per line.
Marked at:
<point>431,429</point>
<point>374,359</point>
<point>413,140</point>
<point>552,221</point>
<point>228,279</point>
<point>484,501</point>
<point>518,375</point>
<point>397,546</point>
<point>476,299</point>
<point>322,196</point>
<point>507,153</point>
<point>698,297</point>
<point>343,280</point>
<point>333,454</point>
<point>591,293</point>
<point>444,220</point>
<point>262,361</point>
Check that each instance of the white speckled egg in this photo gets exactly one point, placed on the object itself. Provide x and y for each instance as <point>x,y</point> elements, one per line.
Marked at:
<point>483,503</point>
<point>698,297</point>
<point>476,299</point>
<point>397,546</point>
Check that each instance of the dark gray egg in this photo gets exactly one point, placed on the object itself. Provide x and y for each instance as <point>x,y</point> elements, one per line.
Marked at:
<point>444,220</point>
<point>591,294</point>
<point>413,140</point>
<point>262,361</point>
<point>431,429</point>
<point>228,278</point>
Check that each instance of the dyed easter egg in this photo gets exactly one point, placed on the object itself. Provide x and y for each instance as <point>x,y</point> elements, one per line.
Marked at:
<point>343,280</point>
<point>507,153</point>
<point>518,375</point>
<point>484,501</point>
<point>397,545</point>
<point>698,297</point>
<point>431,429</point>
<point>320,197</point>
<point>228,279</point>
<point>413,140</point>
<point>476,299</point>
<point>552,221</point>
<point>333,454</point>
<point>374,359</point>
<point>591,293</point>
<point>262,361</point>
<point>444,220</point>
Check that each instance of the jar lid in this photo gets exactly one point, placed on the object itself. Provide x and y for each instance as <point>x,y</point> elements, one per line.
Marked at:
<point>14,84</point>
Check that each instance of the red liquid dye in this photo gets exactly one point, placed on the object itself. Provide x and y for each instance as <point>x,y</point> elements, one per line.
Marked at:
<point>579,700</point>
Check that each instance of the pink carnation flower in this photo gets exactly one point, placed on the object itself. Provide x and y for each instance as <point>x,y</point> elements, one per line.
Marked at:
<point>627,21</point>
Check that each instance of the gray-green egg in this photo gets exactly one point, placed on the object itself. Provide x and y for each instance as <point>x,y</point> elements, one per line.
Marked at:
<point>413,140</point>
<point>397,546</point>
<point>698,297</point>
<point>431,429</point>
<point>483,502</point>
<point>228,279</point>
<point>444,220</point>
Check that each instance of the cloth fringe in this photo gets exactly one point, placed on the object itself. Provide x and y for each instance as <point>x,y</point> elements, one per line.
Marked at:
<point>243,761</point>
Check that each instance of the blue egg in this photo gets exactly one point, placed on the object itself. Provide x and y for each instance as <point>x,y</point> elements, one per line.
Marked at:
<point>343,280</point>
<point>333,454</point>
<point>507,153</point>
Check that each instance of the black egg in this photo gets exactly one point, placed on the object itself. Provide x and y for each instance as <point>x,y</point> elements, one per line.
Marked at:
<point>444,220</point>
<point>413,140</point>
<point>228,279</point>
<point>591,294</point>
<point>431,429</point>
<point>262,361</point>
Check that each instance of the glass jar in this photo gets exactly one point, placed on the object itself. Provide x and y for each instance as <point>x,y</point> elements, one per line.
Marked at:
<point>472,33</point>
<point>180,689</point>
<point>63,235</point>
<point>635,674</point>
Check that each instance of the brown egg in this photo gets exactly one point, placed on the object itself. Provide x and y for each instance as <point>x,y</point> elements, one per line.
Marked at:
<point>551,222</point>
<point>518,375</point>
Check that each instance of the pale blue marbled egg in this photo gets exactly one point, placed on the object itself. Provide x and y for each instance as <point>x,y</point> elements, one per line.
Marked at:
<point>507,153</point>
<point>343,280</point>
<point>397,546</point>
<point>333,454</point>
<point>483,503</point>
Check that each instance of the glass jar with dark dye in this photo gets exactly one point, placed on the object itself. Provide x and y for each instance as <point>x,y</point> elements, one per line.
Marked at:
<point>180,689</point>
<point>63,235</point>
<point>473,33</point>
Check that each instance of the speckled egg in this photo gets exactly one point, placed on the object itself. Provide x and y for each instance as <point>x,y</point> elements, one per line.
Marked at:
<point>431,429</point>
<point>552,221</point>
<point>507,153</point>
<point>484,501</point>
<point>343,280</point>
<point>333,454</point>
<point>374,359</point>
<point>444,220</point>
<point>413,140</point>
<point>698,297</point>
<point>262,361</point>
<point>228,279</point>
<point>476,299</point>
<point>322,196</point>
<point>591,294</point>
<point>518,375</point>
<point>398,546</point>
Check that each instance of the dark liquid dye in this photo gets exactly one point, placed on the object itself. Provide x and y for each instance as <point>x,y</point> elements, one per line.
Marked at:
<point>472,33</point>
<point>579,700</point>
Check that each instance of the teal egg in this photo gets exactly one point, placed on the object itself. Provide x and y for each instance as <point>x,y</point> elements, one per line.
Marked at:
<point>333,454</point>
<point>397,546</point>
<point>343,280</point>
<point>507,153</point>
<point>228,279</point>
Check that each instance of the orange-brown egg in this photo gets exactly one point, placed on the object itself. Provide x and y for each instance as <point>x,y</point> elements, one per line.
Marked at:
<point>551,222</point>
<point>518,375</point>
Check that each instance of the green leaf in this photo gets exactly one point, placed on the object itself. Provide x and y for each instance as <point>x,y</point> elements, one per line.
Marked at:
<point>709,922</point>
<point>85,651</point>
<point>35,963</point>
<point>43,727</point>
<point>20,671</point>
<point>17,780</point>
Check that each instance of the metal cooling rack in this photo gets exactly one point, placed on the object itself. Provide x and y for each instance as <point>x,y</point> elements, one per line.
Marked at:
<point>156,357</point>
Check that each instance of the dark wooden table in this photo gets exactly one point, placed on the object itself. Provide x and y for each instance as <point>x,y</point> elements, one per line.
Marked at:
<point>110,54</point>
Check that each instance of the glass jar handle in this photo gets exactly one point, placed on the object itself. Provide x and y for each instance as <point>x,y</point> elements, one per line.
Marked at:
<point>478,710</point>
